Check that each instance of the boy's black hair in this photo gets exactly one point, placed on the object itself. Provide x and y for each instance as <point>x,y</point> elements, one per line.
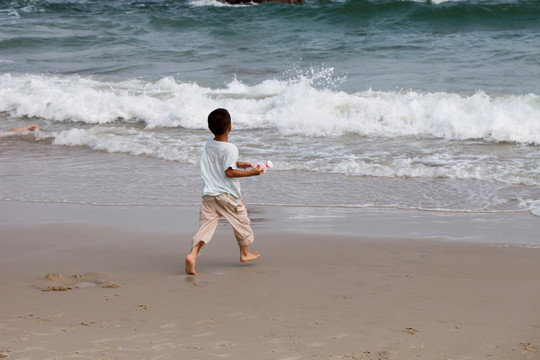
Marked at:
<point>218,121</point>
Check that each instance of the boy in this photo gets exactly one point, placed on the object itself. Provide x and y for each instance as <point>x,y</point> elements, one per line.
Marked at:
<point>220,170</point>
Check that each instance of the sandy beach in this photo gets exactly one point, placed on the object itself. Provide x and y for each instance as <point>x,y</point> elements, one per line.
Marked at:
<point>99,289</point>
<point>400,219</point>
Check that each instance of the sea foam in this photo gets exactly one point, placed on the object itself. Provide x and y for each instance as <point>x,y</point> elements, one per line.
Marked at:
<point>291,107</point>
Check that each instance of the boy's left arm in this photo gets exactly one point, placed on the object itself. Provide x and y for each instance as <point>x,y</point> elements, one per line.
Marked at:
<point>243,165</point>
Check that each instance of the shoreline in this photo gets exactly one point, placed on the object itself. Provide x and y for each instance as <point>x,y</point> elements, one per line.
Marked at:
<point>311,295</point>
<point>516,228</point>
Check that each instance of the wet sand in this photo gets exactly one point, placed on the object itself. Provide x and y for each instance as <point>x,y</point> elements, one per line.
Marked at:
<point>100,288</point>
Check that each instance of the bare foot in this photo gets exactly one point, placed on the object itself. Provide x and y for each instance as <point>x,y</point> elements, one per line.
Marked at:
<point>249,256</point>
<point>190,264</point>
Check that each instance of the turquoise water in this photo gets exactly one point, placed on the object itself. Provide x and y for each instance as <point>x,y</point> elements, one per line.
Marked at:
<point>453,46</point>
<point>429,105</point>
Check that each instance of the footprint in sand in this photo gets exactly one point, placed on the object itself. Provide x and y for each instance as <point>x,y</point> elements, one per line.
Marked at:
<point>529,347</point>
<point>410,331</point>
<point>56,277</point>
<point>62,282</point>
<point>109,285</point>
<point>56,288</point>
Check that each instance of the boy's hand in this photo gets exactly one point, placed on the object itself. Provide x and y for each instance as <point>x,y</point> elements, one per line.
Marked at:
<point>243,165</point>
<point>257,171</point>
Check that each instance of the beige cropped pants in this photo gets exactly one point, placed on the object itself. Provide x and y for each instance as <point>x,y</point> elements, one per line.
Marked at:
<point>232,209</point>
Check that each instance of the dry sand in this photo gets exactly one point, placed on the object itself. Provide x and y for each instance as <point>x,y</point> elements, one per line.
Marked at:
<point>122,294</point>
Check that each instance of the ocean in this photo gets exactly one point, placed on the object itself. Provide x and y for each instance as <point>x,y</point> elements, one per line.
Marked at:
<point>379,104</point>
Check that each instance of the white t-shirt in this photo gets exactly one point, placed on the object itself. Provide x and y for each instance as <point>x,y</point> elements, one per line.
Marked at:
<point>217,157</point>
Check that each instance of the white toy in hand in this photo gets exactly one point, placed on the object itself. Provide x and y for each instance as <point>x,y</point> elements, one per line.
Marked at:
<point>264,166</point>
